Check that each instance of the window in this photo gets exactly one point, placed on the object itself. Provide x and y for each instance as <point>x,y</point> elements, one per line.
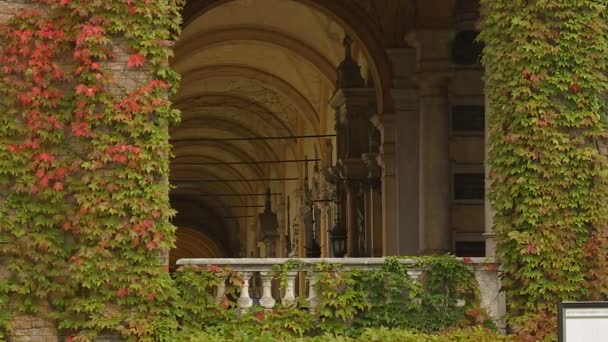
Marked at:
<point>469,245</point>
<point>468,184</point>
<point>466,50</point>
<point>468,119</point>
<point>470,249</point>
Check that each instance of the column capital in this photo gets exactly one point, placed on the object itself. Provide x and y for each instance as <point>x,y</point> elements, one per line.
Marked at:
<point>404,63</point>
<point>386,159</point>
<point>385,123</point>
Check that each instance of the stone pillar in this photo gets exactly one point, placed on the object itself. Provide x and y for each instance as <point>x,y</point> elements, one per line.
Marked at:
<point>369,223</point>
<point>325,227</point>
<point>373,221</point>
<point>489,213</point>
<point>435,194</point>
<point>385,123</point>
<point>351,220</point>
<point>405,97</point>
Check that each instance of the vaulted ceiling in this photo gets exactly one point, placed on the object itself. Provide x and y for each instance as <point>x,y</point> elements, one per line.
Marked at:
<point>251,69</point>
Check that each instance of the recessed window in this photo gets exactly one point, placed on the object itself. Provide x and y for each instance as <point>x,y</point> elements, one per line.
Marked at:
<point>468,119</point>
<point>470,248</point>
<point>466,50</point>
<point>469,187</point>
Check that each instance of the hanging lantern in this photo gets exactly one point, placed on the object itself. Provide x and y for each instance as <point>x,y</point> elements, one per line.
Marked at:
<point>338,240</point>
<point>268,222</point>
<point>314,250</point>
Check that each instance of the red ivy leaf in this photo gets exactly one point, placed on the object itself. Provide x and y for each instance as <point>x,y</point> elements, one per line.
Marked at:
<point>86,90</point>
<point>574,88</point>
<point>46,157</point>
<point>80,129</point>
<point>152,245</point>
<point>122,292</point>
<point>136,60</point>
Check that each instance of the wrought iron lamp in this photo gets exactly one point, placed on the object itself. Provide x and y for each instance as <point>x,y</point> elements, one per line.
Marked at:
<point>269,224</point>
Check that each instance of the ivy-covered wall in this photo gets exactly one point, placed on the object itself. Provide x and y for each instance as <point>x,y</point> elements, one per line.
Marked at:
<point>84,209</point>
<point>546,81</point>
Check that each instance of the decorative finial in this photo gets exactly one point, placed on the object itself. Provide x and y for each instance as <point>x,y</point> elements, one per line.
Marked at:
<point>349,72</point>
<point>348,44</point>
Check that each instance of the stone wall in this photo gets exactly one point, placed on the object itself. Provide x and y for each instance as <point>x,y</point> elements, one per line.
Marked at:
<point>27,328</point>
<point>9,8</point>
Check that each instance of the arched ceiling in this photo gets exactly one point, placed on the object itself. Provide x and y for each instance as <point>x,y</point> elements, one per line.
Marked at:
<point>251,69</point>
<point>192,243</point>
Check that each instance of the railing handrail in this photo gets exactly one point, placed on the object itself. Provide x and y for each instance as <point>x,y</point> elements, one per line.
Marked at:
<point>486,271</point>
<point>360,263</point>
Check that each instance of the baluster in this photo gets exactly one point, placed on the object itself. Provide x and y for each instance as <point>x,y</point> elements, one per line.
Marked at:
<point>415,276</point>
<point>267,301</point>
<point>245,301</point>
<point>313,277</point>
<point>290,298</point>
<point>221,289</point>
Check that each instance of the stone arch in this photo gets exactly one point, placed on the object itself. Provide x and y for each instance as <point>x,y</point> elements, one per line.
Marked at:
<point>356,24</point>
<point>192,243</point>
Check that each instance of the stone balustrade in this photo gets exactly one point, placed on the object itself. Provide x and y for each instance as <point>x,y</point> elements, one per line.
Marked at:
<point>486,273</point>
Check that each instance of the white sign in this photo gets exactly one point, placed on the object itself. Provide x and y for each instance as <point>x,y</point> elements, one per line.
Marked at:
<point>583,322</point>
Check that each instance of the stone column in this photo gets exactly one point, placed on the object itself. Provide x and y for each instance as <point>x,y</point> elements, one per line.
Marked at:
<point>405,98</point>
<point>385,123</point>
<point>373,221</point>
<point>488,211</point>
<point>435,193</point>
<point>351,220</point>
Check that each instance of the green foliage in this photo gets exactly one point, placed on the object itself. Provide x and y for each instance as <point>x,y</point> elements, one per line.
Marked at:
<point>429,304</point>
<point>546,76</point>
<point>475,334</point>
<point>200,312</point>
<point>340,297</point>
<point>348,302</point>
<point>198,290</point>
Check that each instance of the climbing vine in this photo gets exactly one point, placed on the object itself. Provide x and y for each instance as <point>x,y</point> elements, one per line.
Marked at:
<point>546,79</point>
<point>84,88</point>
